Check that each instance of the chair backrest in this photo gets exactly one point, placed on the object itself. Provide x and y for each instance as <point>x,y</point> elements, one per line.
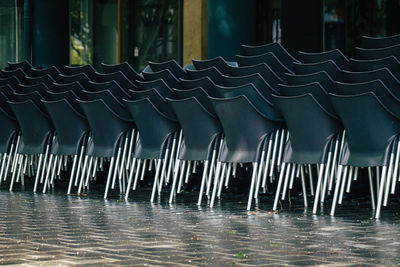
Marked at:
<point>170,65</point>
<point>200,128</point>
<point>88,70</point>
<point>112,86</point>
<point>24,65</point>
<point>329,66</point>
<point>46,79</point>
<point>125,68</point>
<point>112,102</point>
<point>151,143</point>
<point>377,53</point>
<point>4,102</point>
<point>321,77</point>
<point>76,87</point>
<point>199,93</point>
<point>392,63</point>
<point>335,54</point>
<point>8,91</point>
<point>69,96</point>
<point>158,85</point>
<point>82,78</point>
<point>311,128</point>
<point>370,129</point>
<point>19,73</point>
<point>262,104</point>
<point>218,62</point>
<point>166,75</point>
<point>118,77</point>
<point>34,96</point>
<point>156,99</point>
<point>383,93</point>
<point>212,73</point>
<point>263,69</point>
<point>269,58</point>
<point>379,42</point>
<point>206,83</point>
<point>70,126</point>
<point>315,89</point>
<point>52,71</point>
<point>245,129</point>
<point>11,81</point>
<point>41,88</point>
<point>262,86</point>
<point>280,52</point>
<point>384,74</point>
<point>9,125</point>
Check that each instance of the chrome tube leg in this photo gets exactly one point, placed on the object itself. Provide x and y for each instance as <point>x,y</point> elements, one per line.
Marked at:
<point>110,171</point>
<point>84,172</point>
<point>253,179</point>
<point>260,168</point>
<point>350,179</point>
<point>8,162</point>
<point>79,165</point>
<point>128,188</point>
<point>53,173</point>
<point>211,171</point>
<point>380,196</point>
<point>388,179</point>
<point>203,180</point>
<point>138,172</point>
<point>171,160</point>
<point>346,168</point>
<point>396,168</point>
<point>295,168</point>
<point>48,173</point>
<point>144,169</point>
<point>278,188</point>
<point>267,162</point>
<point>38,172</point>
<point>163,173</point>
<point>115,169</point>
<point>188,171</point>
<point>131,142</point>
<point>174,179</point>
<point>336,193</point>
<point>303,185</point>
<point>45,162</point>
<point>216,179</point>
<point>317,192</point>
<point>310,176</point>
<point>371,188</point>
<point>17,159</point>
<point>71,178</point>
<point>271,170</point>
<point>281,144</point>
<point>335,154</point>
<point>228,174</point>
<point>221,183</point>
<point>16,155</point>
<point>181,177</point>
<point>3,164</point>
<point>89,171</point>
<point>285,183</point>
<point>325,180</point>
<point>155,180</point>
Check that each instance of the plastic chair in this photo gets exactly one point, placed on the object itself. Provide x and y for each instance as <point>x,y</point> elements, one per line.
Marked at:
<point>377,53</point>
<point>118,77</point>
<point>212,73</point>
<point>81,78</point>
<point>11,81</point>
<point>268,58</point>
<point>263,69</point>
<point>70,96</point>
<point>170,65</point>
<point>262,86</point>
<point>379,42</point>
<point>218,62</point>
<point>41,88</point>
<point>37,131</point>
<point>88,70</point>
<point>246,130</point>
<point>159,85</point>
<point>280,52</point>
<point>75,87</point>
<point>71,133</point>
<point>52,71</point>
<point>202,133</point>
<point>392,63</point>
<point>18,73</point>
<point>321,77</point>
<point>368,144</point>
<point>125,68</point>
<point>34,96</point>
<point>112,86</point>
<point>335,55</point>
<point>151,144</point>
<point>313,134</point>
<point>108,131</point>
<point>46,79</point>
<point>8,91</point>
<point>206,83</point>
<point>329,66</point>
<point>24,65</point>
<point>199,93</point>
<point>315,89</point>
<point>166,75</point>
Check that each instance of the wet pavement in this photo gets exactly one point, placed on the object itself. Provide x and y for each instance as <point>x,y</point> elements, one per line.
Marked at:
<point>57,230</point>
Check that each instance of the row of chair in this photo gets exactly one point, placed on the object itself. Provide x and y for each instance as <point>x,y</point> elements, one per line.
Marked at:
<point>281,114</point>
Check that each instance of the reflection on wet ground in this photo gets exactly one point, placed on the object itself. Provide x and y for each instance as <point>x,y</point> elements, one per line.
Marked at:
<point>57,230</point>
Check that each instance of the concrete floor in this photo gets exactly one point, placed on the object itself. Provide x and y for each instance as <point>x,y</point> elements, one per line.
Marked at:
<point>57,230</point>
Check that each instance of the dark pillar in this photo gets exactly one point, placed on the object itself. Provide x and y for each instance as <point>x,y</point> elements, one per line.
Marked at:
<point>302,25</point>
<point>50,42</point>
<point>230,24</point>
<point>28,30</point>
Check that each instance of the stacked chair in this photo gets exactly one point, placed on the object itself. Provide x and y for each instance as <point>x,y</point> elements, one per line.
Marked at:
<point>266,119</point>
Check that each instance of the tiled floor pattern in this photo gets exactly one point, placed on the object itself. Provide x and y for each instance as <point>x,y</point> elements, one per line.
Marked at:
<point>57,230</point>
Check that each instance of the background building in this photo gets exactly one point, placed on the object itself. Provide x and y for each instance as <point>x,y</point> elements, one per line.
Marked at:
<point>75,32</point>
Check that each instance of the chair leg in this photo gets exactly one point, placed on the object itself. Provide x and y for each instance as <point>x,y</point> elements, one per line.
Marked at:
<point>346,169</point>
<point>137,172</point>
<point>337,187</point>
<point>310,177</point>
<point>271,170</point>
<point>110,171</point>
<point>325,183</point>
<point>19,156</point>
<point>45,162</point>
<point>286,181</point>
<point>79,165</point>
<point>371,188</point>
<point>203,180</point>
<point>71,178</point>
<point>171,159</point>
<point>128,188</point>
<point>388,179</point>
<point>228,174</point>
<point>260,168</point>
<point>350,179</point>
<point>221,183</point>
<point>175,178</point>
<point>267,163</point>
<point>115,169</point>
<point>281,144</point>
<point>253,179</point>
<point>84,172</point>
<point>380,196</point>
<point>278,188</point>
<point>317,192</point>
<point>210,175</point>
<point>3,164</point>
<point>216,181</point>
<point>294,169</point>
<point>153,192</point>
<point>46,180</point>
<point>396,168</point>
<point>303,185</point>
<point>38,172</point>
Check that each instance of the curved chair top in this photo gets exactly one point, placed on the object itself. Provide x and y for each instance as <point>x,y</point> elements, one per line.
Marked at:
<point>205,82</point>
<point>24,65</point>
<point>200,94</point>
<point>391,62</point>
<point>158,85</point>
<point>69,96</point>
<point>112,86</point>
<point>166,75</point>
<point>379,42</point>
<point>46,79</point>
<point>335,54</point>
<point>19,73</point>
<point>217,62</point>
<point>88,70</point>
<point>377,53</point>
<point>118,77</point>
<point>322,77</point>
<point>82,78</point>
<point>170,65</point>
<point>76,87</point>
<point>329,66</point>
<point>125,68</point>
<point>212,73</point>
